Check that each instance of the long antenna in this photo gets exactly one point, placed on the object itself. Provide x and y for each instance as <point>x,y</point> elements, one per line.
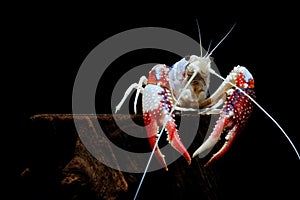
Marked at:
<point>221,40</point>
<point>259,106</point>
<point>199,38</point>
<point>208,49</point>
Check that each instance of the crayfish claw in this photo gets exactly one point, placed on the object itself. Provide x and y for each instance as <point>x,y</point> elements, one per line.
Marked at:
<point>152,129</point>
<point>234,114</point>
<point>229,139</point>
<point>213,138</point>
<point>175,142</point>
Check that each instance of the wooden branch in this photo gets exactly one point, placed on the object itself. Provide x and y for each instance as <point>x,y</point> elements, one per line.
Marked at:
<point>81,175</point>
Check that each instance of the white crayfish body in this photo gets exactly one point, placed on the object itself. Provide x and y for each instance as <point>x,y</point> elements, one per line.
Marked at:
<point>184,87</point>
<point>181,72</point>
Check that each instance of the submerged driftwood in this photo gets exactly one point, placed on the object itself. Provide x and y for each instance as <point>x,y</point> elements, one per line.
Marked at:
<point>74,173</point>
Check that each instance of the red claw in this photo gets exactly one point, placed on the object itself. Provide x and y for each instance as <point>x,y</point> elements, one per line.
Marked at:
<point>174,140</point>
<point>150,129</point>
<point>234,115</point>
<point>157,106</point>
<point>232,134</point>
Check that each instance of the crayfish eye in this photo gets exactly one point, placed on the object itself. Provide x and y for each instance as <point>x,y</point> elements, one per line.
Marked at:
<point>187,58</point>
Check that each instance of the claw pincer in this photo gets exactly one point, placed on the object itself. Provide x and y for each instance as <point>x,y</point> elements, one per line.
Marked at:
<point>157,106</point>
<point>234,114</point>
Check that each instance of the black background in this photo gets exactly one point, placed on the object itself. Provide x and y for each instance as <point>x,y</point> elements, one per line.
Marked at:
<point>47,46</point>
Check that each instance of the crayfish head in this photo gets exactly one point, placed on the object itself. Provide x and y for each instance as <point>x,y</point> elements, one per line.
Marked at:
<point>190,77</point>
<point>200,82</point>
<point>199,64</point>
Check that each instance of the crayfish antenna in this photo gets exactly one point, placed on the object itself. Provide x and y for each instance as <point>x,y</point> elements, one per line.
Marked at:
<point>221,40</point>
<point>200,42</point>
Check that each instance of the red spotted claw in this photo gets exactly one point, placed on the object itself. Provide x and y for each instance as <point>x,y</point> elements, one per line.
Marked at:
<point>157,106</point>
<point>235,112</point>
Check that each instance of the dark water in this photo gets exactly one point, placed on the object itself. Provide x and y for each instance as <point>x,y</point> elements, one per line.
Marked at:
<point>50,50</point>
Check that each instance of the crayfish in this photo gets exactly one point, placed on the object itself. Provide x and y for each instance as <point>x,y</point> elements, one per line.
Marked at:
<point>183,87</point>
